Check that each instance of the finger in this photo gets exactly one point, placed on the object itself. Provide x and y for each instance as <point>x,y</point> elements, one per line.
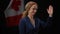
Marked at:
<point>50,7</point>
<point>47,9</point>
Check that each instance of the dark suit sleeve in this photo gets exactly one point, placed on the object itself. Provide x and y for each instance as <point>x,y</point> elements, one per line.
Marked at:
<point>22,27</point>
<point>48,23</point>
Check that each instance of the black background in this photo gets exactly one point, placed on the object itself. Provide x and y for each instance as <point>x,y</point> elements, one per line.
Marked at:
<point>42,14</point>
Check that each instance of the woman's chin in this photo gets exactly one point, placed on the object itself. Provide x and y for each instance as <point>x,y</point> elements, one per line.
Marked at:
<point>32,14</point>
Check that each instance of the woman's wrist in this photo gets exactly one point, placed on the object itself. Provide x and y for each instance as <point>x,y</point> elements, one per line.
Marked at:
<point>50,15</point>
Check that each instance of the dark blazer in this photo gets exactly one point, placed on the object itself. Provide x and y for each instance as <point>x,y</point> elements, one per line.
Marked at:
<point>25,26</point>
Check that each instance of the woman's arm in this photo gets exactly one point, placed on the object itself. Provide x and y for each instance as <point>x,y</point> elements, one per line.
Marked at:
<point>48,23</point>
<point>22,27</point>
<point>49,20</point>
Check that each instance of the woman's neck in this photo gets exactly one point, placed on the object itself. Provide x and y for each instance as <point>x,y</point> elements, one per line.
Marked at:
<point>32,20</point>
<point>30,16</point>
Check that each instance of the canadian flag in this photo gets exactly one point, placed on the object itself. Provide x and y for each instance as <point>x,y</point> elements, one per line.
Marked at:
<point>13,12</point>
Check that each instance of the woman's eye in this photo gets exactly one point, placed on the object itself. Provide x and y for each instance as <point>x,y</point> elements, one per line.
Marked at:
<point>34,8</point>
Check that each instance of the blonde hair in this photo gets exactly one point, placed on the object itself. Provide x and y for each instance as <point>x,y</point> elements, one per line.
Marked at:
<point>27,7</point>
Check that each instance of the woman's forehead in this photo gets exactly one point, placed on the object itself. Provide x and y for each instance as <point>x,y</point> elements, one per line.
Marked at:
<point>34,6</point>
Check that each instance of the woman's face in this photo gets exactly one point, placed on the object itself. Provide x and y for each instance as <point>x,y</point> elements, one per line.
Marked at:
<point>33,10</point>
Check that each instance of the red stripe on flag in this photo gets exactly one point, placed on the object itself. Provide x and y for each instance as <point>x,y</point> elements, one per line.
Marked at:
<point>13,20</point>
<point>19,17</point>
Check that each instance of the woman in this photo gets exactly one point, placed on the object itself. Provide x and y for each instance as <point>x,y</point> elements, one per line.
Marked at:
<point>29,24</point>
